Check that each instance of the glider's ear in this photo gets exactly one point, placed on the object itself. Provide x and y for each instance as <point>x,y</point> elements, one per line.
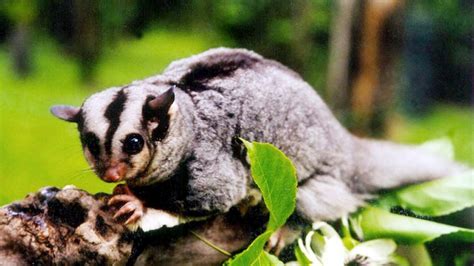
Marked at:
<point>66,112</point>
<point>158,107</point>
<point>163,102</point>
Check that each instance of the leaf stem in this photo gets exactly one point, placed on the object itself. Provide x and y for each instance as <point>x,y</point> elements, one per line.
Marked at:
<point>209,243</point>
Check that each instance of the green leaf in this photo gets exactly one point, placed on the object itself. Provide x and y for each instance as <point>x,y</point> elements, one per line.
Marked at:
<point>253,252</point>
<point>268,259</point>
<point>275,176</point>
<point>434,198</point>
<point>263,259</point>
<point>401,261</point>
<point>416,255</point>
<point>379,223</point>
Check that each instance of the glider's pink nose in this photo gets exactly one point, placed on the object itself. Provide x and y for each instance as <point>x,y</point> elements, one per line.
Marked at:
<point>115,172</point>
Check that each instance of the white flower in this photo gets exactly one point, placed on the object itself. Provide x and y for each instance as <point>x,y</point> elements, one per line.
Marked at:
<point>324,247</point>
<point>373,252</point>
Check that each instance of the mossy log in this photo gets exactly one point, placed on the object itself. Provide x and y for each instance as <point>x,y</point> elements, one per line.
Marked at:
<point>70,226</point>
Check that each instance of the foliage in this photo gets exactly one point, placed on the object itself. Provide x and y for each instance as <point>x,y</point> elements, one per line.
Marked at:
<point>435,198</point>
<point>376,226</point>
<point>379,230</point>
<point>377,223</point>
<point>20,11</point>
<point>275,176</point>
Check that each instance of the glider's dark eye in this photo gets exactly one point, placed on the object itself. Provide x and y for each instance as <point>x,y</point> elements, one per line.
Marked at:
<point>91,141</point>
<point>133,144</point>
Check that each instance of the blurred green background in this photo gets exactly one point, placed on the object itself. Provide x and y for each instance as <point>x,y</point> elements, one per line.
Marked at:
<point>62,51</point>
<point>392,69</point>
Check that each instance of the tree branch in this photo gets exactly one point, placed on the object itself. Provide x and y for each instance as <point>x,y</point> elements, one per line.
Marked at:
<point>70,226</point>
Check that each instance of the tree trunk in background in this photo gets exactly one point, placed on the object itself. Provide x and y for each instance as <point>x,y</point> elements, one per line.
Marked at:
<point>87,35</point>
<point>22,15</point>
<point>20,50</point>
<point>339,56</point>
<point>372,88</point>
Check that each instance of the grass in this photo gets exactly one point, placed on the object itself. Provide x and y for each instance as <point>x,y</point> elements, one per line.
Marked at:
<point>38,150</point>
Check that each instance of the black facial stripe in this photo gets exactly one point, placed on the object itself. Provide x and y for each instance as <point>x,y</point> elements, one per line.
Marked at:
<point>91,141</point>
<point>112,114</point>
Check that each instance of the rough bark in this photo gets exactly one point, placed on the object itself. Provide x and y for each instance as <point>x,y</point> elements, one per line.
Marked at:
<point>70,226</point>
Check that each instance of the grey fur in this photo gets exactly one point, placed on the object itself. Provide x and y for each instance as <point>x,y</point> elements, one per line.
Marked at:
<point>224,93</point>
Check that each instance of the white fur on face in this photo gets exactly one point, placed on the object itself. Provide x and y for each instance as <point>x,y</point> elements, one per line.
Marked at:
<point>94,121</point>
<point>131,119</point>
<point>94,108</point>
<point>131,122</point>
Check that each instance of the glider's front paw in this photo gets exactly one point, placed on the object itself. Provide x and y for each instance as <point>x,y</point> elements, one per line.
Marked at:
<point>131,210</point>
<point>136,215</point>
